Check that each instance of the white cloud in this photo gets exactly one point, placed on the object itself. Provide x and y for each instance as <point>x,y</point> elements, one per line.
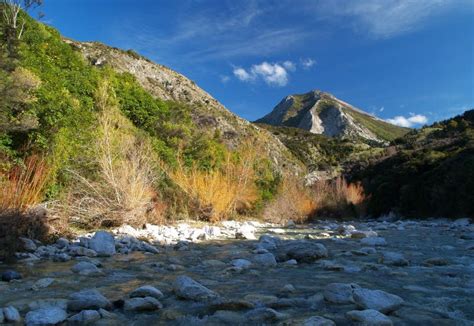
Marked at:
<point>243,75</point>
<point>274,74</point>
<point>388,18</point>
<point>224,79</point>
<point>307,63</point>
<point>382,109</point>
<point>415,119</point>
<point>289,65</point>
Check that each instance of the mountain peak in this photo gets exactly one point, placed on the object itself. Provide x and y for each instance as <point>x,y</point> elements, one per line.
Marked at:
<point>322,113</point>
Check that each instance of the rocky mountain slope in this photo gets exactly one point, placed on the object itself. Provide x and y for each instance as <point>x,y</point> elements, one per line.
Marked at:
<point>207,113</point>
<point>322,113</point>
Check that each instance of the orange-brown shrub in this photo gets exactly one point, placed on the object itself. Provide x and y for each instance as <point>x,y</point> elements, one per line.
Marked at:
<point>337,198</point>
<point>23,186</point>
<point>294,202</point>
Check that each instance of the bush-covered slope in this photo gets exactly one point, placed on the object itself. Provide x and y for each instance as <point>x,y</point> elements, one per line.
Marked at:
<point>110,144</point>
<point>430,172</point>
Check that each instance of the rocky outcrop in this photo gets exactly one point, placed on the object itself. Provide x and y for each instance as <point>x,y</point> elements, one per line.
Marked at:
<point>322,113</point>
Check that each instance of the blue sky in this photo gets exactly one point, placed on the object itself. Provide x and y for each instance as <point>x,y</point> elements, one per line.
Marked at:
<point>411,61</point>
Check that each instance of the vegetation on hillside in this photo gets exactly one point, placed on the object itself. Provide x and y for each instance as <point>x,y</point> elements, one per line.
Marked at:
<point>110,152</point>
<point>428,173</point>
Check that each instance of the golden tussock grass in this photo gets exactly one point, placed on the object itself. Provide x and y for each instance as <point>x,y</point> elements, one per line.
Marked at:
<point>122,188</point>
<point>218,194</point>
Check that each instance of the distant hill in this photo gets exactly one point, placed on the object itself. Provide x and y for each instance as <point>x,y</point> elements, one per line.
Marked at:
<point>322,113</point>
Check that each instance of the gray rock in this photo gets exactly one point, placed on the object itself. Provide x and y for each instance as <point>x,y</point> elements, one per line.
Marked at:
<point>368,250</point>
<point>103,243</point>
<point>84,317</point>
<point>142,304</point>
<point>28,244</point>
<point>146,291</point>
<point>62,243</point>
<point>374,241</point>
<point>224,317</point>
<point>87,299</point>
<point>363,234</point>
<point>436,261</point>
<point>246,232</point>
<point>10,275</point>
<point>241,263</point>
<point>377,300</point>
<point>2,317</point>
<point>341,293</point>
<point>268,242</point>
<point>461,222</point>
<point>318,321</point>
<point>149,248</point>
<point>81,251</point>
<point>46,316</point>
<point>303,251</point>
<point>369,317</point>
<point>61,257</point>
<point>11,314</point>
<point>394,259</point>
<point>264,260</point>
<point>259,315</point>
<point>42,283</point>
<point>187,288</point>
<point>86,268</point>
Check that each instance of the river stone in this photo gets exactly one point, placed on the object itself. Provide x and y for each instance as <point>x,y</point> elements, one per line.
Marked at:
<point>147,291</point>
<point>142,304</point>
<point>86,268</point>
<point>341,293</point>
<point>11,314</point>
<point>225,317</point>
<point>436,261</point>
<point>2,317</point>
<point>42,283</point>
<point>318,321</point>
<point>10,275</point>
<point>303,251</point>
<point>103,243</point>
<point>374,241</point>
<point>369,317</point>
<point>187,288</point>
<point>363,234</point>
<point>87,299</point>
<point>61,257</point>
<point>265,260</point>
<point>263,315</point>
<point>393,258</point>
<point>84,317</point>
<point>28,244</point>
<point>461,222</point>
<point>81,251</point>
<point>62,243</point>
<point>241,263</point>
<point>46,316</point>
<point>377,300</point>
<point>268,242</point>
<point>246,231</point>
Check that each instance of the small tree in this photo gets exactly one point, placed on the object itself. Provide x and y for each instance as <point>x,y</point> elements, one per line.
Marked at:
<point>13,23</point>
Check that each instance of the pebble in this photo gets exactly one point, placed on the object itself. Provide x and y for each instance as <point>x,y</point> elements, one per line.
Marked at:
<point>147,291</point>
<point>10,275</point>
<point>84,317</point>
<point>377,300</point>
<point>45,316</point>
<point>142,304</point>
<point>369,317</point>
